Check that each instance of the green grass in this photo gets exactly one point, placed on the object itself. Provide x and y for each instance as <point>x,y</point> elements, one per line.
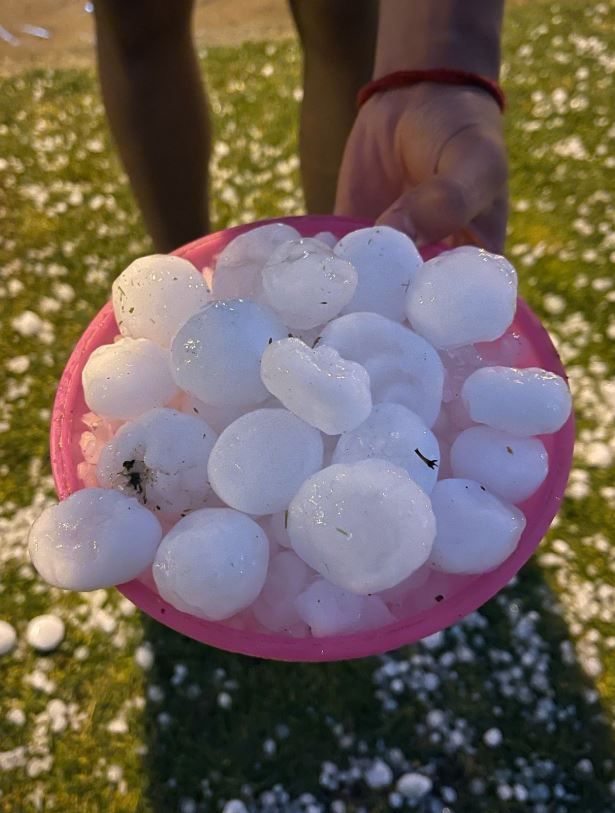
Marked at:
<point>510,669</point>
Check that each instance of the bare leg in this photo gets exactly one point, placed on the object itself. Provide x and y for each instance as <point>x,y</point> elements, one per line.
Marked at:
<point>157,111</point>
<point>339,39</point>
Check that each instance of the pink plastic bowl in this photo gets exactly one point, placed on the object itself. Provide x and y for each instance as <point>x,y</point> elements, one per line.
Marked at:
<point>458,597</point>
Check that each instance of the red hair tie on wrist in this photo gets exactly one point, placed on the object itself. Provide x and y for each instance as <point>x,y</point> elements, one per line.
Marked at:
<point>441,76</point>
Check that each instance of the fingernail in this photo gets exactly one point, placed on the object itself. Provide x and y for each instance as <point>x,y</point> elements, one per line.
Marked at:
<point>399,219</point>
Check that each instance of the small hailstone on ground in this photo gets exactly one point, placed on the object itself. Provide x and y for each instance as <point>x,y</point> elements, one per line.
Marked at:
<point>328,609</point>
<point>521,402</point>
<point>238,268</point>
<point>124,379</point>
<point>396,434</point>
<point>144,656</point>
<point>307,284</point>
<point>476,531</point>
<point>414,785</point>
<point>365,526</point>
<point>379,774</point>
<point>463,296</point>
<point>161,459</point>
<point>318,385</point>
<point>261,459</point>
<point>493,737</point>
<point>95,538</point>
<point>224,700</point>
<point>234,806</point>
<point>287,577</point>
<point>402,366</point>
<point>509,466</point>
<point>8,637</point>
<point>155,295</point>
<point>45,632</point>
<point>16,717</point>
<point>212,564</point>
<point>216,354</point>
<point>386,261</point>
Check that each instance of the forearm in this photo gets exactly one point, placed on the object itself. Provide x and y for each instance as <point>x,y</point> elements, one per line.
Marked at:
<point>461,34</point>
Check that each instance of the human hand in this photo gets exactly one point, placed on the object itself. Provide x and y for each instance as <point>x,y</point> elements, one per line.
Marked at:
<point>429,160</point>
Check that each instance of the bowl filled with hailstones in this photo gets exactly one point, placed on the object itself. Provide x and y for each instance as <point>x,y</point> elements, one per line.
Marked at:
<point>306,440</point>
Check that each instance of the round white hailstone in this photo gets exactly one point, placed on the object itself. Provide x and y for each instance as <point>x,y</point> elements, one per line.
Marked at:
<point>154,296</point>
<point>414,785</point>
<point>522,402</point>
<point>276,527</point>
<point>212,564</point>
<point>287,576</point>
<point>326,237</point>
<point>45,632</point>
<point>476,532</point>
<point>160,458</point>
<point>125,379</point>
<point>238,268</point>
<point>386,261</point>
<point>95,538</point>
<point>217,417</point>
<point>463,296</point>
<point>379,774</point>
<point>317,384</point>
<point>403,367</point>
<point>307,284</point>
<point>216,354</point>
<point>8,637</point>
<point>261,460</point>
<point>493,737</point>
<point>365,526</point>
<point>235,806</point>
<point>329,610</point>
<point>510,467</point>
<point>396,434</point>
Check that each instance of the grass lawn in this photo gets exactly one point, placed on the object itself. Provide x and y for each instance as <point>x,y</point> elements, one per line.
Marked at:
<point>103,730</point>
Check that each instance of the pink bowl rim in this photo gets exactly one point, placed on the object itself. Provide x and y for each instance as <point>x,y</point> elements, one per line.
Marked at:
<point>330,648</point>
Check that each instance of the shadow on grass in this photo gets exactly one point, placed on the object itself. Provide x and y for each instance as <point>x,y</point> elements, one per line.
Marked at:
<point>508,667</point>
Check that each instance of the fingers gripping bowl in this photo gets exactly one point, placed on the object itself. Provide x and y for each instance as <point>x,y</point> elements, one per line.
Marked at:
<point>436,598</point>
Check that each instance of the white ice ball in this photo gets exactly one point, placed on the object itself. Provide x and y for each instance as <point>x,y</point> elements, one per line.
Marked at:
<point>154,296</point>
<point>262,458</point>
<point>317,384</point>
<point>510,467</point>
<point>476,530</point>
<point>395,434</point>
<point>403,367</point>
<point>45,632</point>
<point>328,609</point>
<point>216,355</point>
<point>386,261</point>
<point>160,458</point>
<point>212,564</point>
<point>95,538</point>
<point>125,379</point>
<point>8,637</point>
<point>365,526</point>
<point>463,296</point>
<point>522,402</point>
<point>307,284</point>
<point>239,265</point>
<point>287,577</point>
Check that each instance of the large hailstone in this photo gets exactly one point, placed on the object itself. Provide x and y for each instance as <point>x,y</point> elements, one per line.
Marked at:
<point>522,402</point>
<point>216,355</point>
<point>365,526</point>
<point>402,366</point>
<point>123,380</point>
<point>476,531</point>
<point>510,467</point>
<point>155,295</point>
<point>463,296</point>
<point>386,261</point>
<point>307,284</point>
<point>319,386</point>
<point>262,458</point>
<point>160,458</point>
<point>95,538</point>
<point>398,435</point>
<point>212,564</point>
<point>239,265</point>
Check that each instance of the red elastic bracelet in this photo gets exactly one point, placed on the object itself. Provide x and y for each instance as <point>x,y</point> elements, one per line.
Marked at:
<point>442,76</point>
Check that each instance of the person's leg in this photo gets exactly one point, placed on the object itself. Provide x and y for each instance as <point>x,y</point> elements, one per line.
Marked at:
<point>338,39</point>
<point>157,111</point>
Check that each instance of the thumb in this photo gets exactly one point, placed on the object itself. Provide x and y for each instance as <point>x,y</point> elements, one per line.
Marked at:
<point>469,176</point>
